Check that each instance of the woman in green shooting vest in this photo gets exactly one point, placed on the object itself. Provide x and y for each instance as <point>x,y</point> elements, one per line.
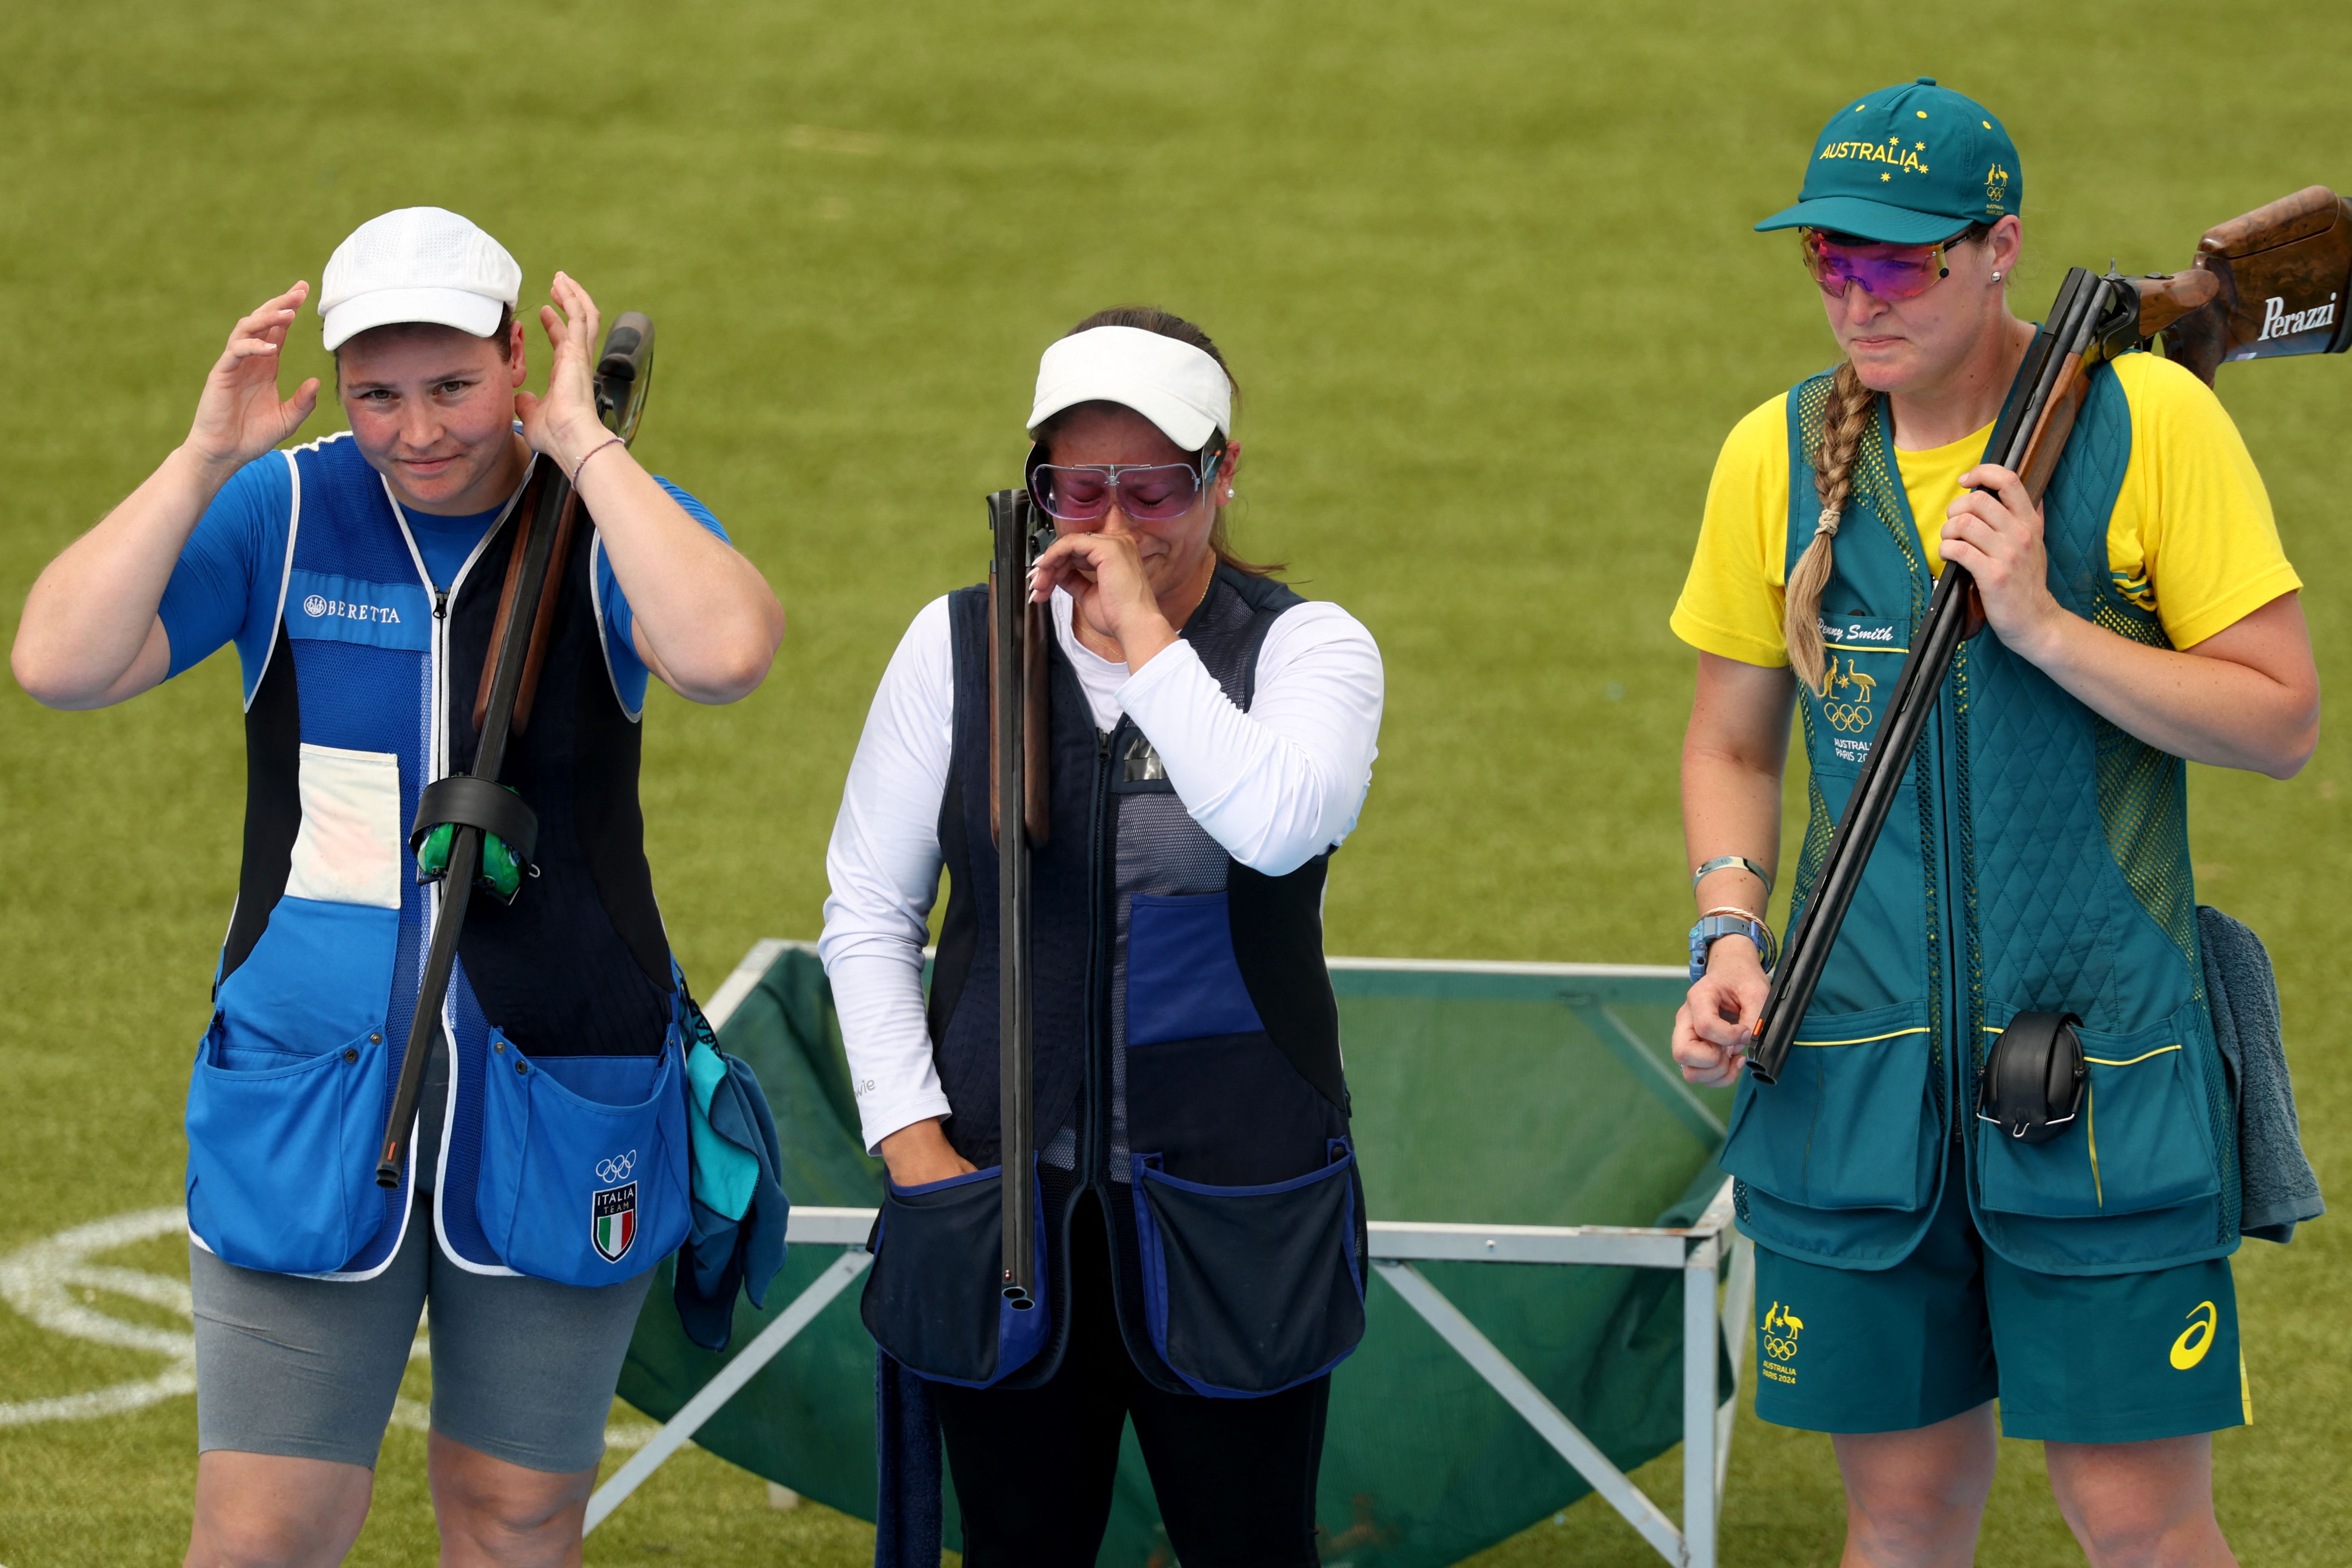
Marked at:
<point>1914,1262</point>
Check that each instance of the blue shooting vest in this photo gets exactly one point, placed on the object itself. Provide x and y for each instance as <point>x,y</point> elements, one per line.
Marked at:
<point>1187,1067</point>
<point>565,1147</point>
<point>2036,859</point>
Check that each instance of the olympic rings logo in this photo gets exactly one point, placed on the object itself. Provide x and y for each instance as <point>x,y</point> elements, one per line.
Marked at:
<point>1851,717</point>
<point>614,1169</point>
<point>1780,1346</point>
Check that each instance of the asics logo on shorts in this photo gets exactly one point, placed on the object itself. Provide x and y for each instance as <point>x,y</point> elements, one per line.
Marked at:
<point>618,1167</point>
<point>2196,1338</point>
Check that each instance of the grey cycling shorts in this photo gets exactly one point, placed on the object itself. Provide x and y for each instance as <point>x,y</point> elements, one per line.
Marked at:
<point>522,1369</point>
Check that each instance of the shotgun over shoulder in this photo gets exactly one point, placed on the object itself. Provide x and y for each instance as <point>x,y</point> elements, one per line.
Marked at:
<point>2283,269</point>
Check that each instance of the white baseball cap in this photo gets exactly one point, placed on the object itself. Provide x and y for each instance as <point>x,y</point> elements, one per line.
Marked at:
<point>419,264</point>
<point>1176,386</point>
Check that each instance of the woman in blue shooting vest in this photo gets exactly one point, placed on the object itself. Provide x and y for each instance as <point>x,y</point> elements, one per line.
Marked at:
<point>1915,1261</point>
<point>1212,741</point>
<point>359,578</point>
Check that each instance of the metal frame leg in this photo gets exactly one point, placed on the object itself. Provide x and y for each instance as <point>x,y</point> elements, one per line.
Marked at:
<point>1540,1412</point>
<point>714,1394</point>
<point>1700,1444</point>
<point>1738,1317</point>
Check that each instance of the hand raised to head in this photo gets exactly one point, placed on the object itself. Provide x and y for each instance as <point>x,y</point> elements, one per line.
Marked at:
<point>564,424</point>
<point>238,414</point>
<point>1104,575</point>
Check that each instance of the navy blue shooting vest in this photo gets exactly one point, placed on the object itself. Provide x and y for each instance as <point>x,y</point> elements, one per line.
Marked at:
<point>1187,1068</point>
<point>2036,859</point>
<point>564,1146</point>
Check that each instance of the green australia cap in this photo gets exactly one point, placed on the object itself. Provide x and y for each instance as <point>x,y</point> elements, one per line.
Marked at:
<point>1908,165</point>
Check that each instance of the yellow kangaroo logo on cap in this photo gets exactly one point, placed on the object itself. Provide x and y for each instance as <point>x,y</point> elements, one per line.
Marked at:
<point>2196,1338</point>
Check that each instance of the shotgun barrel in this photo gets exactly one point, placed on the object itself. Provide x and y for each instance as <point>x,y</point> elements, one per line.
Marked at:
<point>2091,316</point>
<point>1016,729</point>
<point>623,375</point>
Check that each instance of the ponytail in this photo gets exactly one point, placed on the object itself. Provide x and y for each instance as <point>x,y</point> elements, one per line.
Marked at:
<point>1851,407</point>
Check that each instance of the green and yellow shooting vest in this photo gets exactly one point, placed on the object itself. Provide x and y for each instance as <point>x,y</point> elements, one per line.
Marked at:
<point>2036,859</point>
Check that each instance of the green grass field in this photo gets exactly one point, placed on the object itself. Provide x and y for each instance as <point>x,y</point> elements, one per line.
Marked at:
<point>1485,273</point>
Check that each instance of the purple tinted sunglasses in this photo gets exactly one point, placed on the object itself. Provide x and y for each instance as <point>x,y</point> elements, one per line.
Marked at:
<point>1147,492</point>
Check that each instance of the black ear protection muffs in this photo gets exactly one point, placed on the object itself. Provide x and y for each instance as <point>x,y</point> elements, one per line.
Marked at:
<point>2033,1077</point>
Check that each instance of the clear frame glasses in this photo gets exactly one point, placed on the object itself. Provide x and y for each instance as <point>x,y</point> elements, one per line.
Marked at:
<point>1146,492</point>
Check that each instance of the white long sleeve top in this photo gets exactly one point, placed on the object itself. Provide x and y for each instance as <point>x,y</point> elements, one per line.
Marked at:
<point>1274,786</point>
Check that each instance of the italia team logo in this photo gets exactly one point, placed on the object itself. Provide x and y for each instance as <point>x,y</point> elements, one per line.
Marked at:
<point>612,1211</point>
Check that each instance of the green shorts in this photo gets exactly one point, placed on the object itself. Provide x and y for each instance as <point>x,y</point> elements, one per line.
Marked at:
<point>2114,1357</point>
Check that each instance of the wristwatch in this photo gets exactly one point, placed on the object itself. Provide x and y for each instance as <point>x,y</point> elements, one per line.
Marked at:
<point>1703,936</point>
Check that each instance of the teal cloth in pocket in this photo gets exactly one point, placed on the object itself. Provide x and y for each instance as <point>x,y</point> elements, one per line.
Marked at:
<point>726,1177</point>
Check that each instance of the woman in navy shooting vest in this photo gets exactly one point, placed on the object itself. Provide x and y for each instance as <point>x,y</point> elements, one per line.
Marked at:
<point>359,577</point>
<point>1212,736</point>
<point>1915,1259</point>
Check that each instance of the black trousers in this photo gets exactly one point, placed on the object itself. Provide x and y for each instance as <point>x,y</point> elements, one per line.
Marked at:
<point>1034,1468</point>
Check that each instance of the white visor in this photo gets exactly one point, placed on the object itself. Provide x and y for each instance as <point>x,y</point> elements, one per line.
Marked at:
<point>1179,388</point>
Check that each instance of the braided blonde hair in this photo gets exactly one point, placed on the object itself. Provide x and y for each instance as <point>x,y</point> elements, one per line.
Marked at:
<point>1851,407</point>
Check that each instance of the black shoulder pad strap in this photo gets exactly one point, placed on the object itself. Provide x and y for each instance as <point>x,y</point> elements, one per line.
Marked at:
<point>475,803</point>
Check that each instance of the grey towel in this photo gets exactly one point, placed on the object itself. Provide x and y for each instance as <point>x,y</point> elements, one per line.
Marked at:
<point>2277,1181</point>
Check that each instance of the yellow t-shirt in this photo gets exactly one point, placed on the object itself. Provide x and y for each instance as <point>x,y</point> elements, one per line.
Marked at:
<point>2191,537</point>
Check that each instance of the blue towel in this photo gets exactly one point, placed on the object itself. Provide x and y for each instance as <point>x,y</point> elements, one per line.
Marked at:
<point>2280,1189</point>
<point>726,1177</point>
<point>906,1448</point>
<point>726,1252</point>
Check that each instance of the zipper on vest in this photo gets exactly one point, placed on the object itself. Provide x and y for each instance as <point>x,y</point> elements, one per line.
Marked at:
<point>436,758</point>
<point>1959,1048</point>
<point>1101,924</point>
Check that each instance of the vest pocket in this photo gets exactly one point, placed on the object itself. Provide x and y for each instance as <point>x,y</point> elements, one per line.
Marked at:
<point>1251,1290</point>
<point>281,1152</point>
<point>933,1298</point>
<point>2142,1141</point>
<point>584,1176</point>
<point>349,848</point>
<point>1182,980</point>
<point>1847,1124</point>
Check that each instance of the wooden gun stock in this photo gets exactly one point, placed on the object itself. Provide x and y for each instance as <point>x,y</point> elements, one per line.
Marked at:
<point>2281,274</point>
<point>2165,298</point>
<point>1035,814</point>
